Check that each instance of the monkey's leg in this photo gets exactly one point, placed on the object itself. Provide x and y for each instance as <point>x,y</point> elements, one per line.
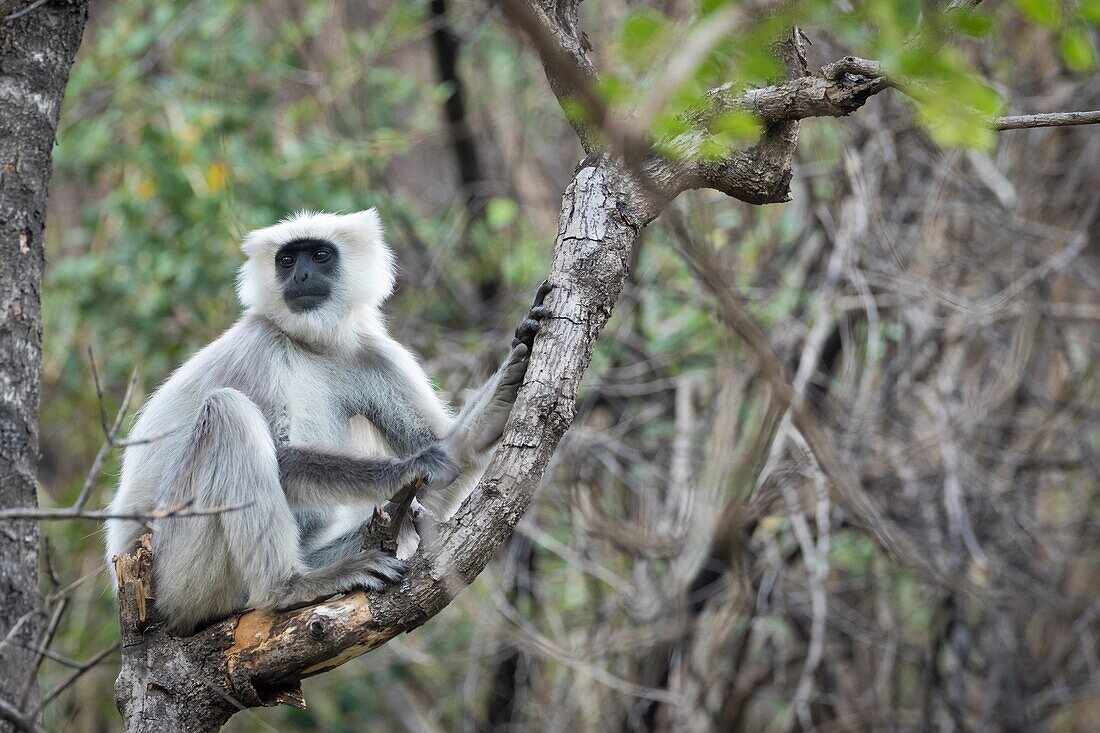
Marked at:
<point>207,567</point>
<point>351,542</point>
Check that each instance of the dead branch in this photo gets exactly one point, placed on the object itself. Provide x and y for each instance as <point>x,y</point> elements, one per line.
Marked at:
<point>76,674</point>
<point>18,719</point>
<point>182,510</point>
<point>1052,119</point>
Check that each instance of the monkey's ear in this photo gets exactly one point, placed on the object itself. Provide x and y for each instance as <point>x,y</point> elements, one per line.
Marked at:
<point>366,216</point>
<point>363,225</point>
<point>370,261</point>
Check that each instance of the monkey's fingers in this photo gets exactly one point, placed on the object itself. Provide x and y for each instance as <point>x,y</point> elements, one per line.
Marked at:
<point>526,332</point>
<point>540,312</point>
<point>520,352</point>
<point>540,295</point>
<point>532,322</point>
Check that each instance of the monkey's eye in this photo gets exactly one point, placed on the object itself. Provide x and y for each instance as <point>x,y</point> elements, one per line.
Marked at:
<point>322,255</point>
<point>285,261</point>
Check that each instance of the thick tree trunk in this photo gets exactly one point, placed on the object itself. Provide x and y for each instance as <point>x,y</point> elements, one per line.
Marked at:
<point>161,686</point>
<point>36,52</point>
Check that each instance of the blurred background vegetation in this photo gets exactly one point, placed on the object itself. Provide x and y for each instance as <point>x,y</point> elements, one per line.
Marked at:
<point>938,281</point>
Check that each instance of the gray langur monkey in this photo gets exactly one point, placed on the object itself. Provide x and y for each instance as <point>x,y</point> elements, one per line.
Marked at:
<point>312,414</point>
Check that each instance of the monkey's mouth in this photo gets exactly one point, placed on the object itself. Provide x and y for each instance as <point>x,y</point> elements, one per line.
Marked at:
<point>305,301</point>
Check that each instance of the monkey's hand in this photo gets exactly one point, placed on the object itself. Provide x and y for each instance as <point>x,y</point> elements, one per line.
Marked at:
<point>532,323</point>
<point>433,465</point>
<point>493,414</point>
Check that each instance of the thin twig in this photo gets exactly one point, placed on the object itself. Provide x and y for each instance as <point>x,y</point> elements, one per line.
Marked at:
<point>16,717</point>
<point>29,9</point>
<point>68,681</point>
<point>108,433</point>
<point>44,642</point>
<point>49,653</point>
<point>1051,119</point>
<point>183,510</point>
<point>98,393</point>
<point>75,584</point>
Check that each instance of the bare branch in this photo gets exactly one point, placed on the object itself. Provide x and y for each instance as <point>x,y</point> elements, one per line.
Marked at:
<point>570,73</point>
<point>72,678</point>
<point>1051,119</point>
<point>109,433</point>
<point>17,718</point>
<point>844,482</point>
<point>44,642</point>
<point>183,510</point>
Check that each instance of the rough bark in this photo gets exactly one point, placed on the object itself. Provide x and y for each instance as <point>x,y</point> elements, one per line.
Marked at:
<point>36,53</point>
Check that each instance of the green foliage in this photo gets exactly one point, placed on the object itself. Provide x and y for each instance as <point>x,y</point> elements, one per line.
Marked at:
<point>1077,50</point>
<point>641,37</point>
<point>952,100</point>
<point>1043,12</point>
<point>1089,11</point>
<point>975,23</point>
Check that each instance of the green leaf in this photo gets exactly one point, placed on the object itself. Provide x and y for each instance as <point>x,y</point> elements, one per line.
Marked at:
<point>739,126</point>
<point>973,24</point>
<point>1043,12</point>
<point>706,7</point>
<point>640,36</point>
<point>500,212</point>
<point>951,126</point>
<point>1089,11</point>
<point>1077,50</point>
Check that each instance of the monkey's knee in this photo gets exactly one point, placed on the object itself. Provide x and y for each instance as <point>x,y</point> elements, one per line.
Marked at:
<point>228,414</point>
<point>230,456</point>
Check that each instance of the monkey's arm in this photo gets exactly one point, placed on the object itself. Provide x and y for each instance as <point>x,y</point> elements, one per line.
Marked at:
<point>481,423</point>
<point>313,476</point>
<point>400,401</point>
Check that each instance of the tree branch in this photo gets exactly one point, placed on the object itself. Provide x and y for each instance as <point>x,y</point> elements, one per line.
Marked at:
<point>1051,119</point>
<point>68,513</point>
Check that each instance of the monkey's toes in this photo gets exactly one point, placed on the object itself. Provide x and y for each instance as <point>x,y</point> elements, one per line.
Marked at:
<point>377,569</point>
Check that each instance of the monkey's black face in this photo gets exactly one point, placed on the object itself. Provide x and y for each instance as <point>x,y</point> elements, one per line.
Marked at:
<point>307,270</point>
